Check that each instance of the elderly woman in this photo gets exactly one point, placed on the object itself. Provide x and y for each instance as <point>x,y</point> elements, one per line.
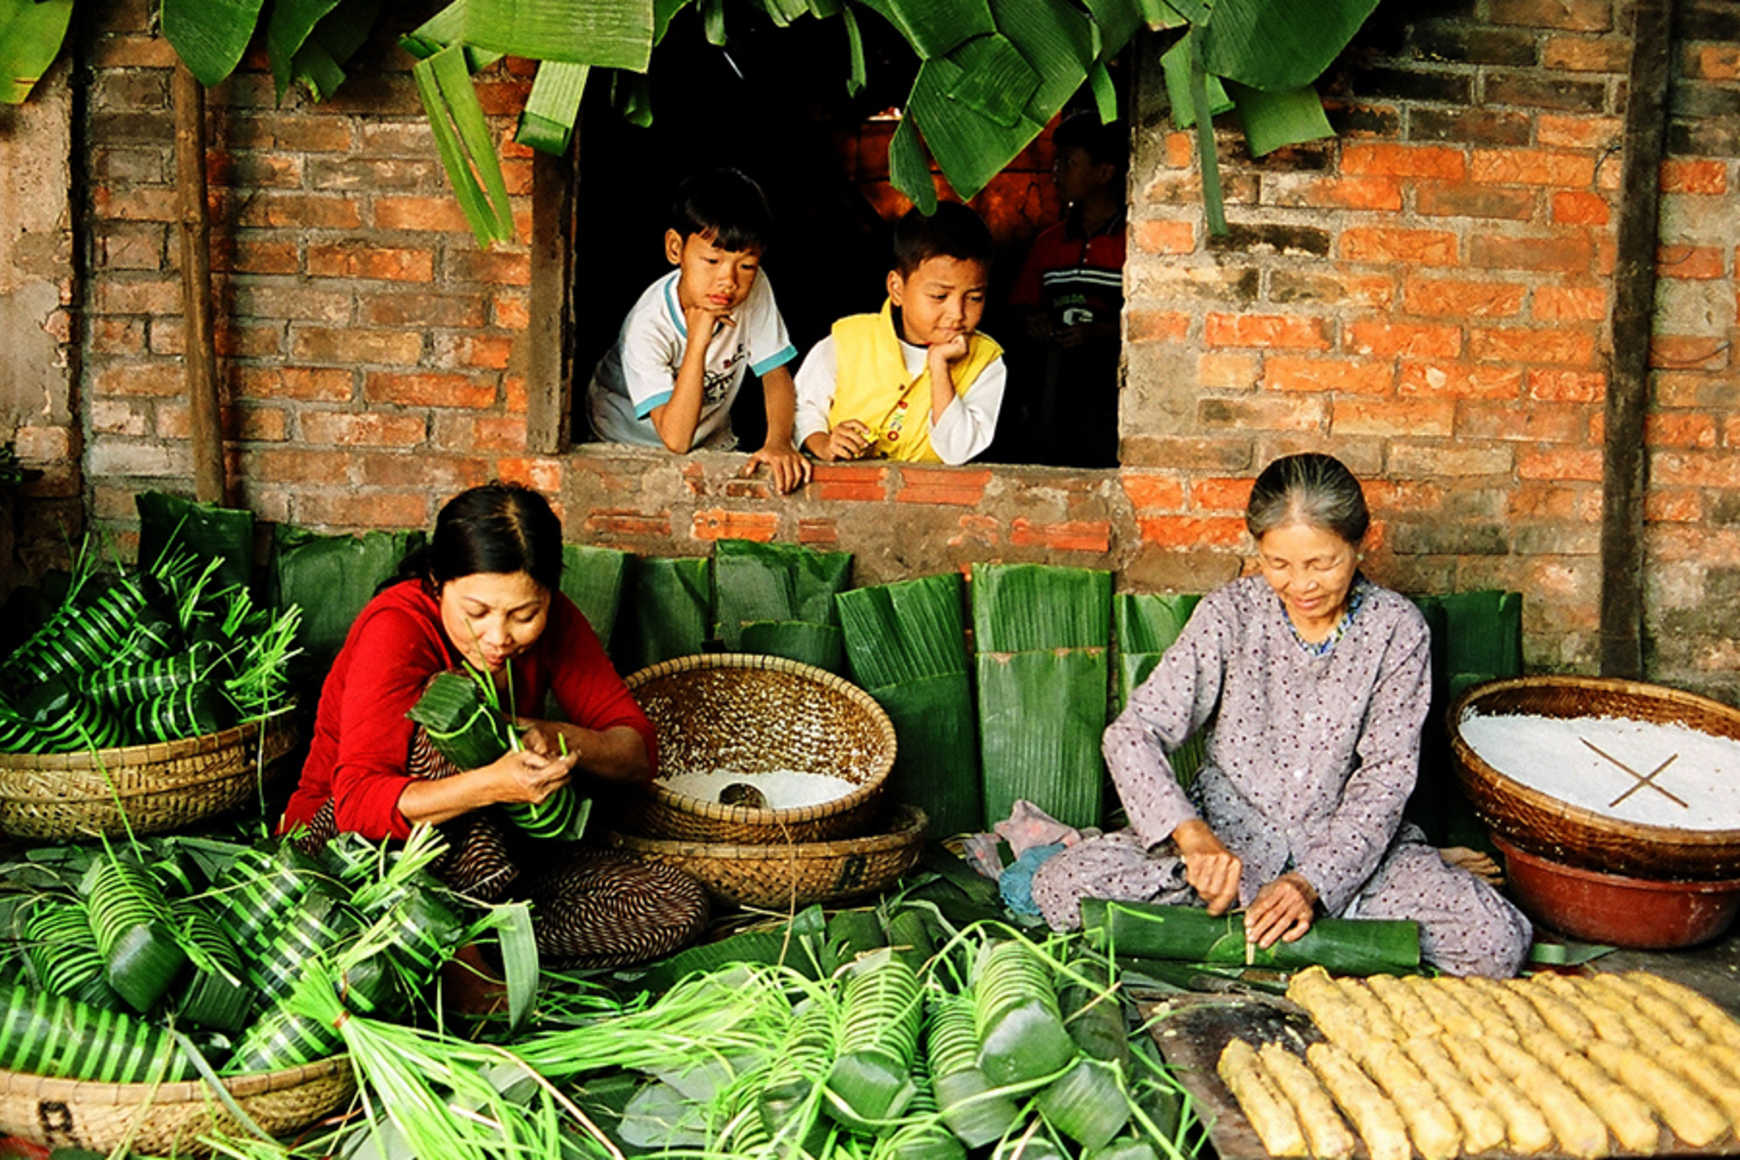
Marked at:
<point>485,592</point>
<point>1316,682</point>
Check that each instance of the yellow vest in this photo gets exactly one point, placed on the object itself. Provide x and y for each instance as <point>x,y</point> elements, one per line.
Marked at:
<point>871,385</point>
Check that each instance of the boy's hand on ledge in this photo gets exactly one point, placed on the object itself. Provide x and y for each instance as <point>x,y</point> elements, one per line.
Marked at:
<point>787,467</point>
<point>850,440</point>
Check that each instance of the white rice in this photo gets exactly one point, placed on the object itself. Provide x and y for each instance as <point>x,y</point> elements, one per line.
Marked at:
<point>784,789</point>
<point>1553,756</point>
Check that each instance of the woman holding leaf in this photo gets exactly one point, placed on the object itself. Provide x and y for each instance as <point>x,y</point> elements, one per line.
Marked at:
<point>483,598</point>
<point>1317,682</point>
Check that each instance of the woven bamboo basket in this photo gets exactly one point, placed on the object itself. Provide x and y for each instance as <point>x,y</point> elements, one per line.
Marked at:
<point>755,714</point>
<point>167,1119</point>
<point>784,875</point>
<point>160,787</point>
<point>1541,824</point>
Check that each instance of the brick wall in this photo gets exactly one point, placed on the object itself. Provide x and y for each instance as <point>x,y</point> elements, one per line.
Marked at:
<point>1427,297</point>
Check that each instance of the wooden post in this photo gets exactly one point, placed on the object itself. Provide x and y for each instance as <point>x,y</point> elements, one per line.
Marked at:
<point>1624,471</point>
<point>550,361</point>
<point>202,391</point>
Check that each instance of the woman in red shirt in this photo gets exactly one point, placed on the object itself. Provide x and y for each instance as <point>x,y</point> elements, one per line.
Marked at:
<point>485,591</point>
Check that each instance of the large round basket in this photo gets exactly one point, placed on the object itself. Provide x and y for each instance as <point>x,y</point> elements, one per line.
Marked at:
<point>1539,823</point>
<point>755,714</point>
<point>786,875</point>
<point>160,787</point>
<point>167,1119</point>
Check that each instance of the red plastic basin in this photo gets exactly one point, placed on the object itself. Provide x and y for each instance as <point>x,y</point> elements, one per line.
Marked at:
<point>1641,913</point>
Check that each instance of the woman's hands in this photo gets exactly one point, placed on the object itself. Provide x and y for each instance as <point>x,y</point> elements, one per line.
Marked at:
<point>523,775</point>
<point>1282,910</point>
<point>1209,866</point>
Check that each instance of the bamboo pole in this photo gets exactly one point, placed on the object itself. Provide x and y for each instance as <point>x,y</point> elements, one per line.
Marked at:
<point>195,230</point>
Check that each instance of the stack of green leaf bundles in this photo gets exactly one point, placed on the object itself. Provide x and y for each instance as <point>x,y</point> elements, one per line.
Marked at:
<point>778,599</point>
<point>1041,633</point>
<point>908,647</point>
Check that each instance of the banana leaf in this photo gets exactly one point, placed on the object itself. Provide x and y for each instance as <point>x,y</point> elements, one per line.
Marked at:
<point>1279,44</point>
<point>1343,946</point>
<point>754,581</point>
<point>1041,715</point>
<point>594,579</point>
<point>609,33</point>
<point>207,530</point>
<point>1023,607</point>
<point>210,36</point>
<point>442,29</point>
<point>331,578</point>
<point>822,645</point>
<point>910,630</point>
<point>287,29</point>
<point>465,142</point>
<point>936,757</point>
<point>31,33</point>
<point>795,944</point>
<point>547,124</point>
<point>1276,119</point>
<point>1145,625</point>
<point>670,610</point>
<point>934,27</point>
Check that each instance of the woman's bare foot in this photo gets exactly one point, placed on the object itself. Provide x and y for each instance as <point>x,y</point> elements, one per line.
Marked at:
<point>1474,862</point>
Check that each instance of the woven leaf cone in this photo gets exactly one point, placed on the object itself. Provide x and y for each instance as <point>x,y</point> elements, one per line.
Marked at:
<point>1542,824</point>
<point>167,1119</point>
<point>788,875</point>
<point>756,714</point>
<point>162,787</point>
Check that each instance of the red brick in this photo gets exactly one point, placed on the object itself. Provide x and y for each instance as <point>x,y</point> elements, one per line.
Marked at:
<point>957,486</point>
<point>1573,15</point>
<point>42,444</point>
<point>619,522</point>
<point>452,311</point>
<point>142,204</point>
<point>433,214</point>
<point>429,389</point>
<point>536,472</point>
<point>1522,421</point>
<point>1065,536</point>
<point>1414,460</point>
<point>132,52</point>
<point>509,313</point>
<point>299,210</point>
<point>1220,495</point>
<point>1587,54</point>
<point>1308,191</point>
<point>1568,253</point>
<point>1567,386</point>
<point>253,256</point>
<point>1688,352</point>
<point>492,267</point>
<point>1578,131</point>
<point>1683,506</point>
<point>857,482</point>
<point>367,509</point>
<point>1193,531</point>
<point>1532,167</point>
<point>1404,161</point>
<point>1474,201</point>
<point>1700,262</point>
<point>1414,416</point>
<point>113,417</point>
<point>1570,304</point>
<point>296,465</point>
<point>1263,413</point>
<point>442,473</point>
<point>513,394</point>
<point>718,524</point>
<point>354,345</point>
<point>1155,326</point>
<point>117,335</point>
<point>307,384</point>
<point>368,429</point>
<point>138,297</point>
<point>1451,298</point>
<point>278,300</point>
<point>1165,237</point>
<point>1516,344</point>
<point>156,380</point>
<point>1577,208</point>
<point>1227,371</point>
<point>484,351</point>
<point>364,260</point>
<point>1712,62</point>
<point>1349,376</point>
<point>1687,176</point>
<point>1153,492</point>
<point>1404,338</point>
<point>1559,463</point>
<point>1695,469</point>
<point>823,533</point>
<point>1421,247</point>
<point>1548,501</point>
<point>1288,331</point>
<point>1679,429</point>
<point>1731,431</point>
<point>1180,150</point>
<point>1459,380</point>
<point>310,132</point>
<point>499,433</point>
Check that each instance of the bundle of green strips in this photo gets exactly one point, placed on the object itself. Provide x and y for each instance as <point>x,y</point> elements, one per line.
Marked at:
<point>778,599</point>
<point>908,647</point>
<point>462,715</point>
<point>1145,625</point>
<point>1042,634</point>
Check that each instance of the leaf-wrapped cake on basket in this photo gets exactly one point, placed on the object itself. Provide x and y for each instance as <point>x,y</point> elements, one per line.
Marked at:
<point>150,698</point>
<point>1615,803</point>
<point>771,783</point>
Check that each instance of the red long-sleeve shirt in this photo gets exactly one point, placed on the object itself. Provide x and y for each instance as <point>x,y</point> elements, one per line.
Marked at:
<point>362,736</point>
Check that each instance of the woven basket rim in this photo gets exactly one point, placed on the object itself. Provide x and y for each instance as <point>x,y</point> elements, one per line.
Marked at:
<point>907,822</point>
<point>745,815</point>
<point>179,1092</point>
<point>1629,881</point>
<point>149,752</point>
<point>1565,811</point>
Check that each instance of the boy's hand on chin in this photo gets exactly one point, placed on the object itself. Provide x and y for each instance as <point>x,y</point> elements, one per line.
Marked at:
<point>951,350</point>
<point>785,465</point>
<point>702,317</point>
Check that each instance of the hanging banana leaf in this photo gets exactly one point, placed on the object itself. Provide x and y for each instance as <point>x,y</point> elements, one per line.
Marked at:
<point>1276,119</point>
<point>611,33</point>
<point>1279,44</point>
<point>1105,93</point>
<point>463,138</point>
<point>287,30</point>
<point>663,10</point>
<point>909,168</point>
<point>210,36</point>
<point>855,70</point>
<point>31,34</point>
<point>553,106</point>
<point>1160,14</point>
<point>933,27</point>
<point>1175,68</point>
<point>1115,21</point>
<point>442,29</point>
<point>1212,200</point>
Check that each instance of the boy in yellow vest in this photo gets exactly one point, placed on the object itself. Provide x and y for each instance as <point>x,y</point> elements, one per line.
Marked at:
<point>916,382</point>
